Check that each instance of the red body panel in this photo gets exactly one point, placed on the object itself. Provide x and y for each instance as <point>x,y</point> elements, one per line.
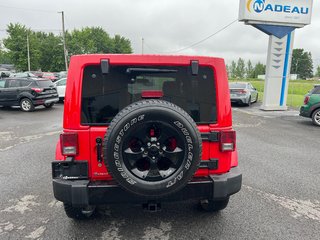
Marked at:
<point>87,135</point>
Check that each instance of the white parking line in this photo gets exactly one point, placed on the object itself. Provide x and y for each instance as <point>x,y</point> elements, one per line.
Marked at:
<point>309,209</point>
<point>37,233</point>
<point>24,139</point>
<point>113,233</point>
<point>160,233</point>
<point>22,205</point>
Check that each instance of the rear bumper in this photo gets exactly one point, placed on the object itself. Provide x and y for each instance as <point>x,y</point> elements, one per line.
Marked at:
<point>241,99</point>
<point>305,112</point>
<point>84,192</point>
<point>46,100</point>
<point>53,100</point>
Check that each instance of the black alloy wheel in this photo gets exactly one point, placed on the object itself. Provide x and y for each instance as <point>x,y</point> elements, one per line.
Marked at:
<point>154,151</point>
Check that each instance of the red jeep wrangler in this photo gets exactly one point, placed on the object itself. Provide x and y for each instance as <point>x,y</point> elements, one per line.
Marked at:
<point>145,129</point>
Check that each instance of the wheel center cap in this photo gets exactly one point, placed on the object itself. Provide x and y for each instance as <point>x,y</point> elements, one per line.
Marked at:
<point>154,151</point>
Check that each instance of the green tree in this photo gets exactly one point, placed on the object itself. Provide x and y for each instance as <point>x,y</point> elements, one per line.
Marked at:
<point>302,63</point>
<point>249,70</point>
<point>16,43</point>
<point>52,56</point>
<point>240,69</point>
<point>121,45</point>
<point>232,69</point>
<point>96,40</point>
<point>4,57</point>
<point>259,69</point>
<point>318,71</point>
<point>46,49</point>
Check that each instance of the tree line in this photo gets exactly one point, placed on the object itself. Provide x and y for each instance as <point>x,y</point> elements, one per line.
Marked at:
<point>46,49</point>
<point>301,64</point>
<point>242,69</point>
<point>47,53</point>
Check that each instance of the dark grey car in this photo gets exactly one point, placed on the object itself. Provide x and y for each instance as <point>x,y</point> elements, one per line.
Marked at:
<point>27,93</point>
<point>243,93</point>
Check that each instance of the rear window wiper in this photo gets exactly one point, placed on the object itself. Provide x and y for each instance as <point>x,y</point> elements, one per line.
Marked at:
<point>150,70</point>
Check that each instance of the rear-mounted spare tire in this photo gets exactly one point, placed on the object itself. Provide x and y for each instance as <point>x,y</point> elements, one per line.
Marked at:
<point>152,148</point>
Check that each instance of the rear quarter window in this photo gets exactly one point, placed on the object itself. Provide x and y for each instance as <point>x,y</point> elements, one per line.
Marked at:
<point>25,83</point>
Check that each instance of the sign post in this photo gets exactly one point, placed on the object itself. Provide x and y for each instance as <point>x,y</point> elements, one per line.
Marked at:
<point>278,19</point>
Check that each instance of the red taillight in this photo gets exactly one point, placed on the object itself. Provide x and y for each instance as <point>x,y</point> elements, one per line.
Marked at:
<point>38,90</point>
<point>242,91</point>
<point>69,144</point>
<point>306,100</point>
<point>227,141</point>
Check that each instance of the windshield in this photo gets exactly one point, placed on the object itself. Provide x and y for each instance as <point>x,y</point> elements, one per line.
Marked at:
<point>104,96</point>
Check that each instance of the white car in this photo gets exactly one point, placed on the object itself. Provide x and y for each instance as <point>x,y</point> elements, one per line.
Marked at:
<point>61,88</point>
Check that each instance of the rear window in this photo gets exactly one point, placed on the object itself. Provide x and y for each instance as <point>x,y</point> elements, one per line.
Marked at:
<point>315,90</point>
<point>237,85</point>
<point>44,83</point>
<point>104,96</point>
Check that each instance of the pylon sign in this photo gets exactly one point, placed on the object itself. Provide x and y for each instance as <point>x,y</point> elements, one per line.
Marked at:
<point>278,19</point>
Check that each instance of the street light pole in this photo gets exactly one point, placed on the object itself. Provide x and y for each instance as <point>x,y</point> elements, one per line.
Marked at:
<point>28,52</point>
<point>64,42</point>
<point>296,72</point>
<point>142,46</point>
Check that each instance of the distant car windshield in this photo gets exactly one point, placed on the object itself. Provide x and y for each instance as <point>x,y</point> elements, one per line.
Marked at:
<point>44,83</point>
<point>48,75</point>
<point>25,74</point>
<point>61,82</point>
<point>62,74</point>
<point>237,85</point>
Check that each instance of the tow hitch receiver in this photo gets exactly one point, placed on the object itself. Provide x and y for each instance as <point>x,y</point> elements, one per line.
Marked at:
<point>151,206</point>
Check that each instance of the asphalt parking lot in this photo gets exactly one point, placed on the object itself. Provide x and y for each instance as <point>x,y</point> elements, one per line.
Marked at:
<point>280,196</point>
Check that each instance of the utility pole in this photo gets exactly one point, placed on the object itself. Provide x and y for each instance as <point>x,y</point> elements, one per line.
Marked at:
<point>142,45</point>
<point>64,42</point>
<point>28,52</point>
